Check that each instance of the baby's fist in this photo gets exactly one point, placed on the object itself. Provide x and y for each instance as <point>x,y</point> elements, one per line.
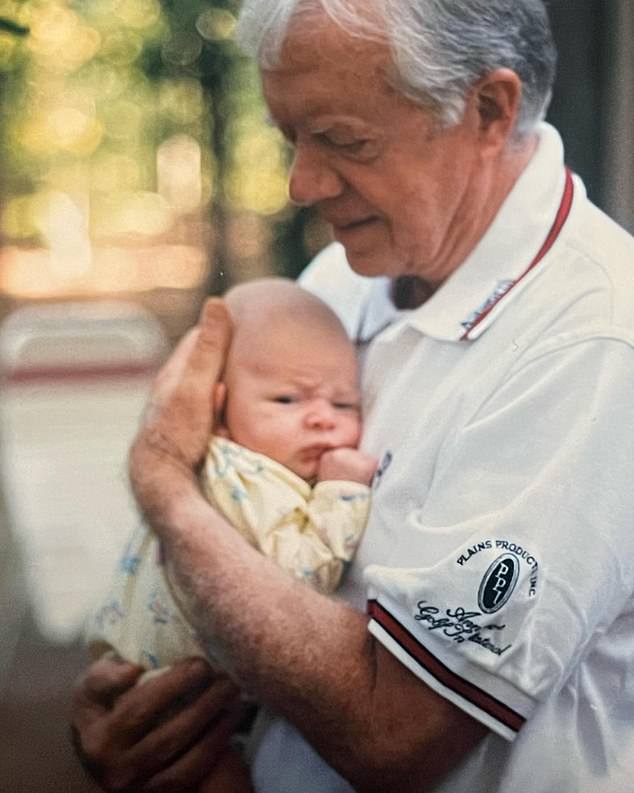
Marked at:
<point>349,465</point>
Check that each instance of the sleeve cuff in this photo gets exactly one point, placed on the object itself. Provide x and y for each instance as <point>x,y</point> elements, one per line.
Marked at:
<point>491,700</point>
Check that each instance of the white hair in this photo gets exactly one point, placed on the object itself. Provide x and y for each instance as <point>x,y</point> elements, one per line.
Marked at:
<point>440,48</point>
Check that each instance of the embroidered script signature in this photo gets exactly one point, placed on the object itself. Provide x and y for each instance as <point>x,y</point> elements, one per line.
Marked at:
<point>459,625</point>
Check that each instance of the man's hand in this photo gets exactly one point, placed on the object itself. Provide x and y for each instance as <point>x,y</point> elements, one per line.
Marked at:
<point>164,736</point>
<point>230,775</point>
<point>178,419</point>
<point>346,464</point>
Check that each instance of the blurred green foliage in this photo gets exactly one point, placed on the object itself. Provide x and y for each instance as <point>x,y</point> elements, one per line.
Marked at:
<point>101,99</point>
<point>9,26</point>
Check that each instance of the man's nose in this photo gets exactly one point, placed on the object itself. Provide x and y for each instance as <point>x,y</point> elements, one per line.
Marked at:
<point>320,415</point>
<point>312,178</point>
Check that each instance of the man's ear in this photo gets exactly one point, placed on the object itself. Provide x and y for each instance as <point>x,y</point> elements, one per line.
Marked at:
<point>218,403</point>
<point>497,98</point>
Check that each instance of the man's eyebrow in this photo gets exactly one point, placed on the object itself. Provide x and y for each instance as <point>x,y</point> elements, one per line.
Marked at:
<point>284,129</point>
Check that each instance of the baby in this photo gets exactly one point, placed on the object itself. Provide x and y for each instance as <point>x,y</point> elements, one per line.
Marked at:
<point>282,467</point>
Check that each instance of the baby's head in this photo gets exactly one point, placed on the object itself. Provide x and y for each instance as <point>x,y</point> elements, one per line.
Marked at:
<point>290,386</point>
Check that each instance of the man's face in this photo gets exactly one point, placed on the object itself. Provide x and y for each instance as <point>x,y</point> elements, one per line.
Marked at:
<point>398,191</point>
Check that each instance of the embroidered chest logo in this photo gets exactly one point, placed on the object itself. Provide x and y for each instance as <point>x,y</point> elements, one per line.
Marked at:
<point>498,583</point>
<point>503,287</point>
<point>500,290</point>
<point>381,469</point>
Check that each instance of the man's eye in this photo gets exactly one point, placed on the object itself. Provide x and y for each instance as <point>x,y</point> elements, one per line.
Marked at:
<point>345,143</point>
<point>348,147</point>
<point>345,405</point>
<point>285,399</point>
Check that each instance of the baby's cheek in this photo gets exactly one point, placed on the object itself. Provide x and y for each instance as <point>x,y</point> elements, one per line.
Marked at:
<point>355,432</point>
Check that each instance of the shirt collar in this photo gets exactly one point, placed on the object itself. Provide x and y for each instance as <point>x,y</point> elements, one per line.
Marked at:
<point>505,251</point>
<point>378,311</point>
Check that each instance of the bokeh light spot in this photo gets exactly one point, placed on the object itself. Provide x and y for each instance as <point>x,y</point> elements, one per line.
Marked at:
<point>216,24</point>
<point>182,48</point>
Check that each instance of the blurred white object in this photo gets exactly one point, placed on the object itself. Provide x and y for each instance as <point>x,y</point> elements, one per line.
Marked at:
<point>75,380</point>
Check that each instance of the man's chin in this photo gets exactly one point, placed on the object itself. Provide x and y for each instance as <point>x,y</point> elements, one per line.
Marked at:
<point>368,249</point>
<point>371,263</point>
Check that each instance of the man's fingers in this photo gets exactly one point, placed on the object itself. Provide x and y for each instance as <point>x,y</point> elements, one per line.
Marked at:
<point>198,761</point>
<point>207,356</point>
<point>94,698</point>
<point>229,775</point>
<point>170,373</point>
<point>168,740</point>
<point>100,685</point>
<point>215,325</point>
<point>178,418</point>
<point>202,348</point>
<point>123,740</point>
<point>140,709</point>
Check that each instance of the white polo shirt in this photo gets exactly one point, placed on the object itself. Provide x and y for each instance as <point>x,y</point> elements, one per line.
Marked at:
<point>498,563</point>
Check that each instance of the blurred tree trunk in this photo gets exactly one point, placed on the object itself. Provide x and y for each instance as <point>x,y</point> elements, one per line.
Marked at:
<point>12,591</point>
<point>220,277</point>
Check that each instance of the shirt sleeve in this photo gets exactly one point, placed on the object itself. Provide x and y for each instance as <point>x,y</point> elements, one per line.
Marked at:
<point>534,500</point>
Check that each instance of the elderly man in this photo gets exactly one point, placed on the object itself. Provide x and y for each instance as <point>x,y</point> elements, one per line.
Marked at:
<point>496,570</point>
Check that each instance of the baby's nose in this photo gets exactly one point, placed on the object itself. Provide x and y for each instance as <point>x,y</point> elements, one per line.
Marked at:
<point>320,414</point>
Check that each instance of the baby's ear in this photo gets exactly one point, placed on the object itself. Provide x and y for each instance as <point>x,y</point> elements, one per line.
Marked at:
<point>218,400</point>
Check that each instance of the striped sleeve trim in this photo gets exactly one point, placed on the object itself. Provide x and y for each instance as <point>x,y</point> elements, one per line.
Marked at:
<point>469,697</point>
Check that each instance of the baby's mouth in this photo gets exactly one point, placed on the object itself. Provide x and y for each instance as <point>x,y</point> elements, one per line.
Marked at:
<point>314,452</point>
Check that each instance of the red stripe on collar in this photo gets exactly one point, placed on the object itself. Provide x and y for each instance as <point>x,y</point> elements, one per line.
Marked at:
<point>560,219</point>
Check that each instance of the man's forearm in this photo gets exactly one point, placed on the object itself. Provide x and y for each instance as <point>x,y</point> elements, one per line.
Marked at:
<point>307,657</point>
<point>282,641</point>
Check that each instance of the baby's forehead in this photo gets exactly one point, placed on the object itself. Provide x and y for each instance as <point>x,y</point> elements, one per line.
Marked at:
<point>263,303</point>
<point>290,349</point>
<point>294,353</point>
<point>278,326</point>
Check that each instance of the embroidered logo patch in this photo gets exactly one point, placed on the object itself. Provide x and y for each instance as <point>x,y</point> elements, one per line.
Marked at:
<point>498,583</point>
<point>519,554</point>
<point>500,290</point>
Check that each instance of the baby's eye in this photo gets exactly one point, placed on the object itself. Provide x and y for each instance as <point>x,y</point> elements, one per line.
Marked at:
<point>285,399</point>
<point>345,405</point>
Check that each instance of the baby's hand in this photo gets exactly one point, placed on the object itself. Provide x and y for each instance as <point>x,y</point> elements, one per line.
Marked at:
<point>346,464</point>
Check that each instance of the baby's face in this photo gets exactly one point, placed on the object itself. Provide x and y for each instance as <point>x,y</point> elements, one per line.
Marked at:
<point>292,397</point>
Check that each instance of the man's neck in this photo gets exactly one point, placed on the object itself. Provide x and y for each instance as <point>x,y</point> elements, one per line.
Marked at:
<point>409,291</point>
